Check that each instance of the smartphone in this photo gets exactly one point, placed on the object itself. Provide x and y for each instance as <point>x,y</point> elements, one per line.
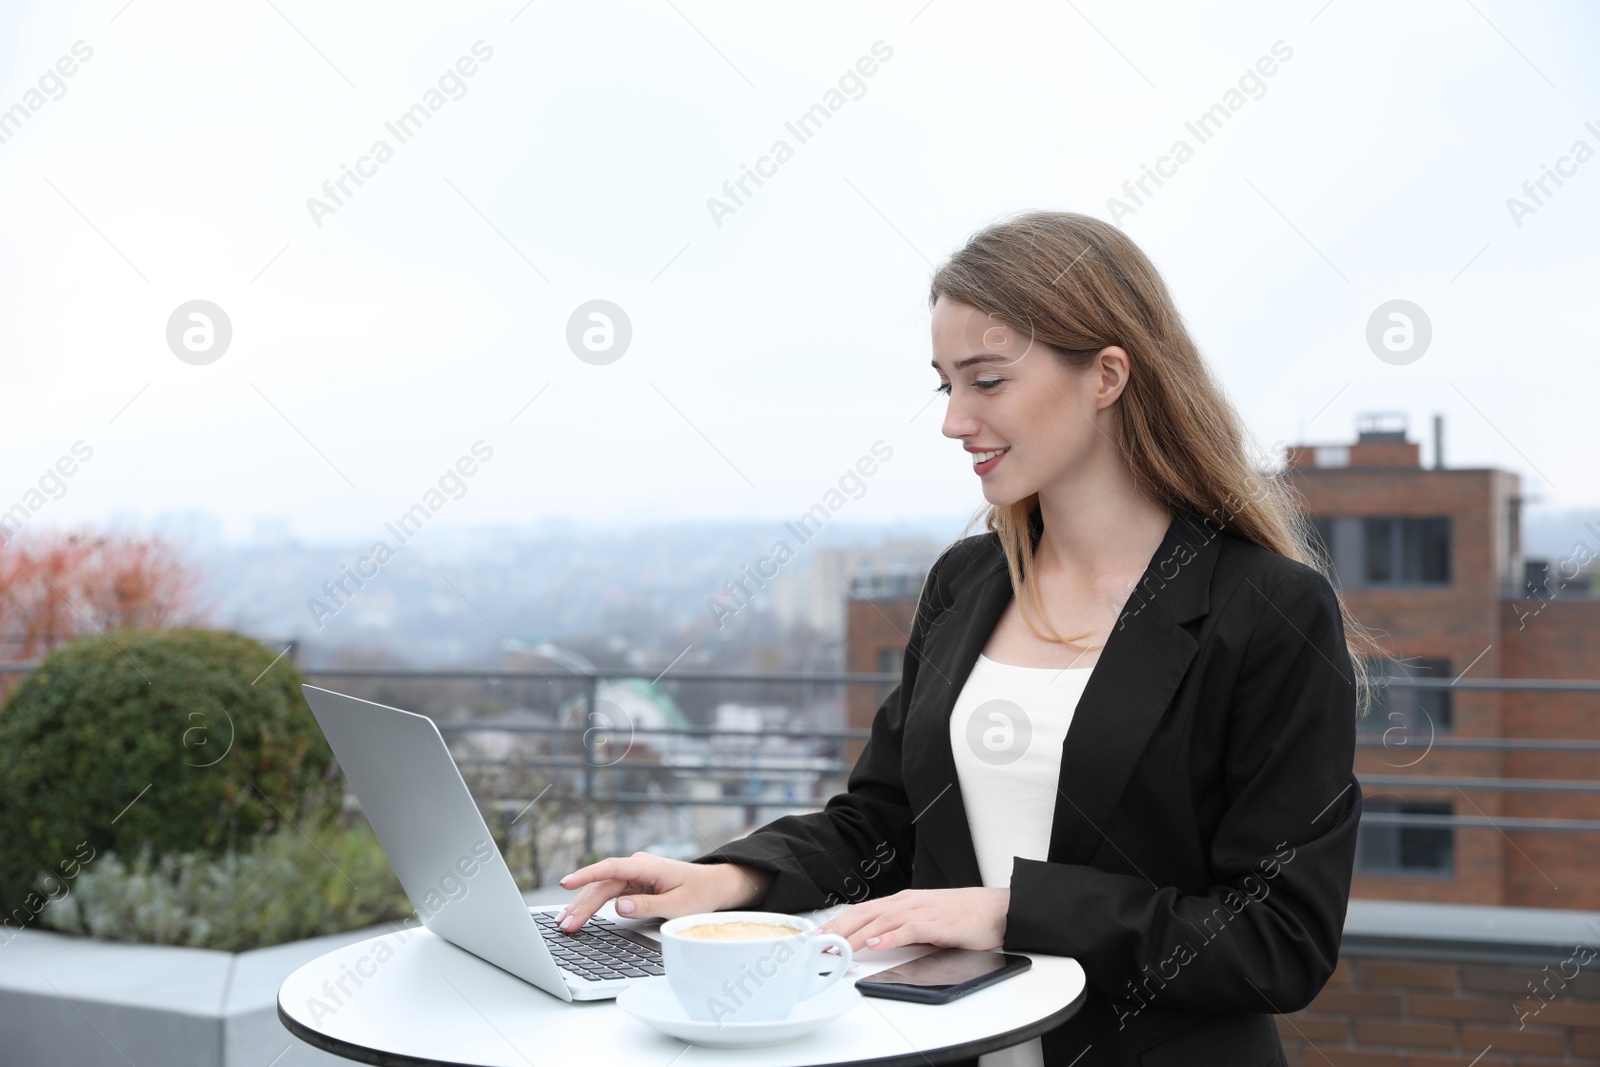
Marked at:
<point>942,976</point>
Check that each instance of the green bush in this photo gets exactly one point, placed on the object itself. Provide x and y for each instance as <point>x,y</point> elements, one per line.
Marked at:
<point>172,741</point>
<point>286,888</point>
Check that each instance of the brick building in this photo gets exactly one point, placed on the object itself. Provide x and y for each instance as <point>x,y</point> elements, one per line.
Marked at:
<point>1431,559</point>
<point>877,625</point>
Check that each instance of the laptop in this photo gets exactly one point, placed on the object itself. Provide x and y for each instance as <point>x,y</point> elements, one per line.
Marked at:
<point>450,867</point>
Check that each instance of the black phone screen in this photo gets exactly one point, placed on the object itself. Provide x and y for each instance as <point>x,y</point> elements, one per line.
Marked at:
<point>944,974</point>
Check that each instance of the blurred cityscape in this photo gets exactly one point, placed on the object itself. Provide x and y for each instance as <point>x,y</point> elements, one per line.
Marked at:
<point>621,597</point>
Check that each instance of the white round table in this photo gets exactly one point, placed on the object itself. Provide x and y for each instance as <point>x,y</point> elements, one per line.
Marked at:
<point>416,999</point>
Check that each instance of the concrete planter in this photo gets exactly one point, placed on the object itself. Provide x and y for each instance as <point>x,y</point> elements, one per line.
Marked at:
<point>74,1002</point>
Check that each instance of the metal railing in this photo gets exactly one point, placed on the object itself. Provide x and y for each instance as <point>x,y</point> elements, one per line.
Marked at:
<point>594,738</point>
<point>594,741</point>
<point>1365,740</point>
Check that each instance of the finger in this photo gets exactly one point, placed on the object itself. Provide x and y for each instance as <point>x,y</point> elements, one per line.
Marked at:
<point>636,867</point>
<point>853,918</point>
<point>857,936</point>
<point>590,900</point>
<point>642,902</point>
<point>889,932</point>
<point>605,868</point>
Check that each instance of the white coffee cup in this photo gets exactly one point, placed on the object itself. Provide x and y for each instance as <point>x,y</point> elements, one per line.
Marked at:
<point>756,979</point>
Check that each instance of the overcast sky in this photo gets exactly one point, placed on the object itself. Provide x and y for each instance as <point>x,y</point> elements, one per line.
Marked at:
<point>375,339</point>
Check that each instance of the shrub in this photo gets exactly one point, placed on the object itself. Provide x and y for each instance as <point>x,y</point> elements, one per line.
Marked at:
<point>286,888</point>
<point>168,740</point>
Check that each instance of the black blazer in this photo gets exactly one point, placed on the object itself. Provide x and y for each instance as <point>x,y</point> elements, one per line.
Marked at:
<point>1205,820</point>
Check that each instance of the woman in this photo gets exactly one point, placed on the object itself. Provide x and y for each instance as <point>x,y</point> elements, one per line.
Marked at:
<point>1125,726</point>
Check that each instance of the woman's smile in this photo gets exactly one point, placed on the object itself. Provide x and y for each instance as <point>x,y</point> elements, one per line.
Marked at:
<point>985,461</point>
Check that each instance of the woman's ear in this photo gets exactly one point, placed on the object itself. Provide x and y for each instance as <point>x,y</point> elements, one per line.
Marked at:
<point>1111,367</point>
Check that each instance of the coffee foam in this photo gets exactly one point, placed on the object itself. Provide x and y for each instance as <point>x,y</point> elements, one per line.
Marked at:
<point>737,930</point>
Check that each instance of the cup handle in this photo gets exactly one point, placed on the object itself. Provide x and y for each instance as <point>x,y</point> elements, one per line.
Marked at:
<point>819,982</point>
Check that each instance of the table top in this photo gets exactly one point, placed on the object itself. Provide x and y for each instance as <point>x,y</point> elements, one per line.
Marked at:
<point>415,999</point>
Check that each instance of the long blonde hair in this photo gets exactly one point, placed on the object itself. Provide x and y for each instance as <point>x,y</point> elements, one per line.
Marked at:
<point>1078,285</point>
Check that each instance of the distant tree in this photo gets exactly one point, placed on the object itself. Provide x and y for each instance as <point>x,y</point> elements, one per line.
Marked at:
<point>55,586</point>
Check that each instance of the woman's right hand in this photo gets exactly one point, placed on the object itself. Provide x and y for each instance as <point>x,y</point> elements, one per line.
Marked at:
<point>660,888</point>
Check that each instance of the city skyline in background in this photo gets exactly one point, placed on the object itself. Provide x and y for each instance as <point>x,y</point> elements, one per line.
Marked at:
<point>688,592</point>
<point>634,594</point>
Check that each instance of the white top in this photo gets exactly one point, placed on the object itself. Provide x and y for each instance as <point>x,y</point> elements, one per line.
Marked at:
<point>1006,733</point>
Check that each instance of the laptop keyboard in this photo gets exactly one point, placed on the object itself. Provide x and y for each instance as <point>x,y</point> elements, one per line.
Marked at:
<point>600,949</point>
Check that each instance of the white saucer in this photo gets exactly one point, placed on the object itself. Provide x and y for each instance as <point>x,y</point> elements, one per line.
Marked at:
<point>652,1002</point>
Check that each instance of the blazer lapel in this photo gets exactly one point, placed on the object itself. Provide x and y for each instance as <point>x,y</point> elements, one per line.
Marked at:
<point>1133,682</point>
<point>1131,687</point>
<point>950,647</point>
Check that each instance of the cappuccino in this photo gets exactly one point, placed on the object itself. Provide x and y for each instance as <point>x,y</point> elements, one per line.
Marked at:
<point>748,966</point>
<point>737,931</point>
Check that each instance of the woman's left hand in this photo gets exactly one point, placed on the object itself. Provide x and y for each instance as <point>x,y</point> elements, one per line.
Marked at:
<point>949,918</point>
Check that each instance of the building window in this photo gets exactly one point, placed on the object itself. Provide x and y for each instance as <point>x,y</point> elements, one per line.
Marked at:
<point>1417,712</point>
<point>1322,533</point>
<point>1537,581</point>
<point>1387,849</point>
<point>890,661</point>
<point>1331,456</point>
<point>1400,551</point>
